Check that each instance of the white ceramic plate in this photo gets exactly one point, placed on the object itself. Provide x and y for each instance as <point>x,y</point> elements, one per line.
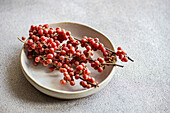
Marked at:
<point>49,82</point>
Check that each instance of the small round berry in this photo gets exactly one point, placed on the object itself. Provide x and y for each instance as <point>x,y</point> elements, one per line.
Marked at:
<point>40,32</point>
<point>92,80</point>
<point>23,38</point>
<point>83,64</point>
<point>30,41</point>
<point>46,25</point>
<point>59,64</point>
<point>76,63</point>
<point>96,39</point>
<point>83,57</point>
<point>63,81</point>
<point>100,59</point>
<point>83,40</point>
<point>45,31</point>
<point>121,56</point>
<point>33,46</point>
<point>97,63</point>
<point>77,76</point>
<point>96,45</point>
<point>61,57</point>
<point>65,73</point>
<point>71,73</point>
<point>45,63</point>
<point>72,83</point>
<point>68,33</point>
<point>63,52</point>
<point>100,69</point>
<point>89,86</point>
<point>50,40</point>
<point>119,48</point>
<point>119,52</point>
<point>88,48</point>
<point>50,56</point>
<point>49,61</point>
<point>79,67</point>
<point>84,83</point>
<point>37,59</point>
<point>124,59</point>
<point>85,77</point>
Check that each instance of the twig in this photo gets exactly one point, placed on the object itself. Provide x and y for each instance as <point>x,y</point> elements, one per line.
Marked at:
<point>20,40</point>
<point>89,82</point>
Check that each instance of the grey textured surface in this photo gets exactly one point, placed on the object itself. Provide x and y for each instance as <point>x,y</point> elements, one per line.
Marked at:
<point>141,27</point>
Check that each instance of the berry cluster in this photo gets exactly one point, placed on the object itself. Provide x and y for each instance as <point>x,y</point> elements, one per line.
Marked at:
<point>60,50</point>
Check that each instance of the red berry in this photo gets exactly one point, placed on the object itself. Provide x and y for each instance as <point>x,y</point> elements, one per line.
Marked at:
<point>37,59</point>
<point>45,63</point>
<point>23,38</point>
<point>96,39</point>
<point>50,40</point>
<point>118,52</point>
<point>40,32</point>
<point>120,56</point>
<point>100,69</point>
<point>49,61</point>
<point>124,59</point>
<point>77,76</point>
<point>72,83</point>
<point>89,86</point>
<point>88,48</point>
<point>33,46</point>
<point>92,80</point>
<point>63,52</point>
<point>51,31</point>
<point>68,33</point>
<point>32,27</point>
<point>50,56</point>
<point>96,45</point>
<point>86,71</point>
<point>83,40</point>
<point>79,67</point>
<point>101,60</point>
<point>51,50</point>
<point>76,62</point>
<point>119,48</point>
<point>123,52</point>
<point>36,38</point>
<point>61,57</point>
<point>71,73</point>
<point>59,64</point>
<point>97,63</point>
<point>46,25</point>
<point>30,41</point>
<point>65,73</point>
<point>83,57</point>
<point>83,64</point>
<point>83,83</point>
<point>63,81</point>
<point>85,77</point>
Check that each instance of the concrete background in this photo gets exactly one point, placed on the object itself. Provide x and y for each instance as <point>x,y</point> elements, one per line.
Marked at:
<point>141,27</point>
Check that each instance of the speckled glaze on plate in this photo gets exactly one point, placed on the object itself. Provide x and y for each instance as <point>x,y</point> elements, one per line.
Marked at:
<point>49,82</point>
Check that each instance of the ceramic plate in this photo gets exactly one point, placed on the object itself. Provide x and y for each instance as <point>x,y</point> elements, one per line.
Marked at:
<point>49,82</point>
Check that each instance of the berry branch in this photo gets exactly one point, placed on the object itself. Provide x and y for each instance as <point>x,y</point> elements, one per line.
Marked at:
<point>58,49</point>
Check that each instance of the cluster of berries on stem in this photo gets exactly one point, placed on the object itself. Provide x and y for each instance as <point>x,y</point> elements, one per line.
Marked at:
<point>61,51</point>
